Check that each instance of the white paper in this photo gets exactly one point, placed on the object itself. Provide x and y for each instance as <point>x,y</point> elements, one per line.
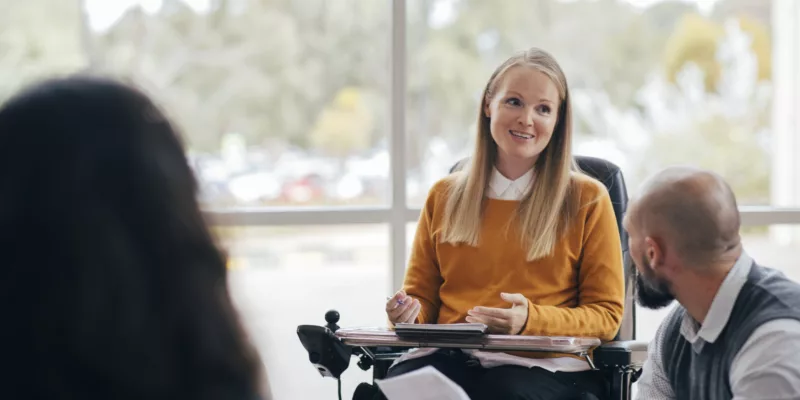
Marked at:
<point>426,383</point>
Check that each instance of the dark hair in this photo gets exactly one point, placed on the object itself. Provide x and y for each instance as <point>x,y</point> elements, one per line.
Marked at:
<point>111,283</point>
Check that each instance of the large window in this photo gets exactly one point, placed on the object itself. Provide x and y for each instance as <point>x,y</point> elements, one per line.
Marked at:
<point>283,103</point>
<point>651,86</point>
<point>317,126</point>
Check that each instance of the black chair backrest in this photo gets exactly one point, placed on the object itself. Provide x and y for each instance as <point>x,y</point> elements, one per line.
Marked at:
<point>609,175</point>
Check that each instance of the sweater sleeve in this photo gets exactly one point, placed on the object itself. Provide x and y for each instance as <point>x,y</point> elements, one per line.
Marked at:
<point>601,287</point>
<point>423,278</point>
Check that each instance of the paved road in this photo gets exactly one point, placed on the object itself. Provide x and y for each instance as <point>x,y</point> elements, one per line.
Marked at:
<point>276,297</point>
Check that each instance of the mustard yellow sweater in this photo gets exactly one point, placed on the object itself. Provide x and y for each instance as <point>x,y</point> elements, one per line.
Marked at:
<point>577,291</point>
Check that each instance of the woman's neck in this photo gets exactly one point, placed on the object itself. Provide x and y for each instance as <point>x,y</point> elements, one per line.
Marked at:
<point>513,170</point>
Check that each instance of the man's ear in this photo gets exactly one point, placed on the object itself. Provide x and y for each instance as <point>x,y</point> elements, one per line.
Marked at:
<point>654,251</point>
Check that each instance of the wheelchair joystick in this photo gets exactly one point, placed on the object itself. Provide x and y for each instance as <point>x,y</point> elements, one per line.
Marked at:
<point>326,352</point>
<point>332,317</point>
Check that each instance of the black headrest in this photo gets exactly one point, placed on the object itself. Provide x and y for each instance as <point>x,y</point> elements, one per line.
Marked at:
<point>609,175</point>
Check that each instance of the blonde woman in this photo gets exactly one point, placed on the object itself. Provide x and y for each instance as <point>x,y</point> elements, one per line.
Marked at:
<point>519,240</point>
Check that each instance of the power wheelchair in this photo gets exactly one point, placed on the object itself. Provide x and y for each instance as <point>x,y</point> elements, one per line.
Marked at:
<point>620,360</point>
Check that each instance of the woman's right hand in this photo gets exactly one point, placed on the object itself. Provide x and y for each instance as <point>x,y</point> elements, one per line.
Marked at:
<point>402,308</point>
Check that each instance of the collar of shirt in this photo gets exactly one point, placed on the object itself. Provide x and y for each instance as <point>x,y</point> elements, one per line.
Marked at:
<point>720,309</point>
<point>505,189</point>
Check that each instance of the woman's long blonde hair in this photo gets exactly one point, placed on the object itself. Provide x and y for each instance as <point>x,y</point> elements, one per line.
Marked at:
<point>551,202</point>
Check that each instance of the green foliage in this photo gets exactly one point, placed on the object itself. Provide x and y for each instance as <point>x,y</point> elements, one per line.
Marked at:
<point>344,127</point>
<point>758,10</point>
<point>268,71</point>
<point>316,73</point>
<point>761,45</point>
<point>696,40</point>
<point>734,146</point>
<point>38,38</point>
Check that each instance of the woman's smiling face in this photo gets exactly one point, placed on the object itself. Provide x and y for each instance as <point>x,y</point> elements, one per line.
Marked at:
<point>523,110</point>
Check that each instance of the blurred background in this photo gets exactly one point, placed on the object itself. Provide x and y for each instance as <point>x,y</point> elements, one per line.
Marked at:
<point>308,122</point>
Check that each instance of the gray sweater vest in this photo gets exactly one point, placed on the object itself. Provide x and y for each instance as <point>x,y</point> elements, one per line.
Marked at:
<point>766,295</point>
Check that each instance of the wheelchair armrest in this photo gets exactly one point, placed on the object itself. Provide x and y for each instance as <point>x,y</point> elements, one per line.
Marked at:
<point>622,353</point>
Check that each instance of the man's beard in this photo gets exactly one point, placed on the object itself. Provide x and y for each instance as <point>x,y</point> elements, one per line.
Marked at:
<point>652,293</point>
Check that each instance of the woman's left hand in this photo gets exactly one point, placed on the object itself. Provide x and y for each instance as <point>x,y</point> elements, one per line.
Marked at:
<point>509,321</point>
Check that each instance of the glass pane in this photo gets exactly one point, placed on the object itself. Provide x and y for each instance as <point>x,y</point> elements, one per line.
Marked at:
<point>281,102</point>
<point>282,277</point>
<point>38,38</point>
<point>655,83</point>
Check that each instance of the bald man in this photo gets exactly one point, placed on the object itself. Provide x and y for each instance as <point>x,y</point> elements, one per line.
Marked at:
<point>735,333</point>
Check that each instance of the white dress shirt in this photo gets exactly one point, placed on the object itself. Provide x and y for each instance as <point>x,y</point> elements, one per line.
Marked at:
<point>767,367</point>
<point>503,188</point>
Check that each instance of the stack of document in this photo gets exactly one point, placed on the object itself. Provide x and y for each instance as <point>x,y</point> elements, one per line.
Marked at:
<point>426,383</point>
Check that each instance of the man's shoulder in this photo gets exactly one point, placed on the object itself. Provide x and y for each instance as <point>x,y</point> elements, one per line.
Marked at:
<point>762,275</point>
<point>784,327</point>
<point>770,288</point>
<point>770,355</point>
<point>781,326</point>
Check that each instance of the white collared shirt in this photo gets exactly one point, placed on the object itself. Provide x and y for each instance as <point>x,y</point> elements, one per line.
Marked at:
<point>503,188</point>
<point>767,367</point>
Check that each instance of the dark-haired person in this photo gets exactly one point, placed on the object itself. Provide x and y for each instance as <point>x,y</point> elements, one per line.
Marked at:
<point>111,285</point>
